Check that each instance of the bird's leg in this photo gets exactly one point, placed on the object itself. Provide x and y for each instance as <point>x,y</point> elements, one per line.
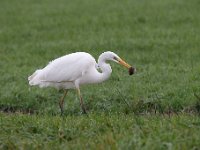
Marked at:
<point>61,103</point>
<point>81,101</point>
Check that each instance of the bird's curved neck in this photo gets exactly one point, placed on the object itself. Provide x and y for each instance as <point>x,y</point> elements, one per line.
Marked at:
<point>104,67</point>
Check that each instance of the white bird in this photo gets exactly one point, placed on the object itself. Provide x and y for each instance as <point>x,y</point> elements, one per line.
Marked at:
<point>72,70</point>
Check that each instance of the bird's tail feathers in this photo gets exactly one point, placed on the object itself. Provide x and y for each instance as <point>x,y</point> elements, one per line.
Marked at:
<point>35,78</point>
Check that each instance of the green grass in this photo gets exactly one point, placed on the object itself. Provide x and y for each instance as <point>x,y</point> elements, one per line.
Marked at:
<point>160,38</point>
<point>99,132</point>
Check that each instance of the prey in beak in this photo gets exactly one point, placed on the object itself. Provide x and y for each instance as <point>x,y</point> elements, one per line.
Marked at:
<point>131,69</point>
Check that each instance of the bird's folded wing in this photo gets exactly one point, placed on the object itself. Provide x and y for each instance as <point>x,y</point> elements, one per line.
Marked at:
<point>65,69</point>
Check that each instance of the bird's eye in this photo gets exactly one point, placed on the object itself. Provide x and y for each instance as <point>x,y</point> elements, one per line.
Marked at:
<point>115,58</point>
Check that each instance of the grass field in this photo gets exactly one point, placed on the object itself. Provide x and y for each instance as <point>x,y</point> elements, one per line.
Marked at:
<point>157,108</point>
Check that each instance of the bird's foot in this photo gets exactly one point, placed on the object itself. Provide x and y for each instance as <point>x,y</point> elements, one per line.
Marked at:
<point>61,109</point>
<point>84,110</point>
<point>61,113</point>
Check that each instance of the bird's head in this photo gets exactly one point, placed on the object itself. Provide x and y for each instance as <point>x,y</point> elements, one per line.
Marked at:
<point>114,57</point>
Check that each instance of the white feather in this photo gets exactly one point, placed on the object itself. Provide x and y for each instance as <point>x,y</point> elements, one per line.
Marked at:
<point>63,70</point>
<point>72,70</point>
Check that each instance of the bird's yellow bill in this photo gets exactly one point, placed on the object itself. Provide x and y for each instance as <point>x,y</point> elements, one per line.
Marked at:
<point>123,63</point>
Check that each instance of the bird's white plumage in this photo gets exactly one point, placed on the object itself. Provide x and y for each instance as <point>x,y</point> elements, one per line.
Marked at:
<point>64,70</point>
<point>75,69</point>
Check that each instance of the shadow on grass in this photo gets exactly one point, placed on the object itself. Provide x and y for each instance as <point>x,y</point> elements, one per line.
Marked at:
<point>17,109</point>
<point>140,107</point>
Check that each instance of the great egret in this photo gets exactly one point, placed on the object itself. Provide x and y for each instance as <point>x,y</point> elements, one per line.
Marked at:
<point>72,70</point>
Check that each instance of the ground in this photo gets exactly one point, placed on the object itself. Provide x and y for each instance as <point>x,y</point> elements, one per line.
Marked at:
<point>157,108</point>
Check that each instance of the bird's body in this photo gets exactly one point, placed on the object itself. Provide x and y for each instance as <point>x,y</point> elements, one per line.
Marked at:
<point>71,71</point>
